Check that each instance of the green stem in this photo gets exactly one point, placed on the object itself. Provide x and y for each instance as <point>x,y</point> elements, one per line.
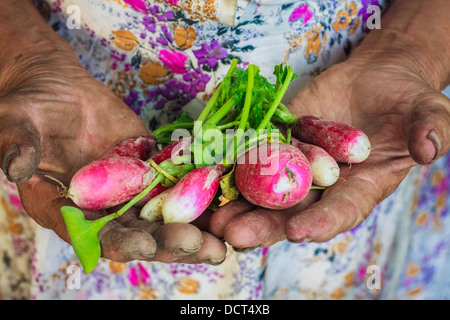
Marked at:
<point>284,117</point>
<point>141,195</point>
<point>277,101</point>
<point>288,135</point>
<point>246,109</point>
<point>213,100</point>
<point>221,112</point>
<point>202,117</point>
<point>314,187</point>
<point>252,142</point>
<point>165,140</point>
<point>162,171</point>
<point>230,118</point>
<point>284,108</point>
<point>228,125</point>
<point>171,127</point>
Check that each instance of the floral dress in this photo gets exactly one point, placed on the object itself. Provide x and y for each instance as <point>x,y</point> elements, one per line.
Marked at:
<point>164,58</point>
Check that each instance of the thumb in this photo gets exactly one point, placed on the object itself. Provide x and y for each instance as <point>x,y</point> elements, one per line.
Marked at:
<point>428,131</point>
<point>20,151</point>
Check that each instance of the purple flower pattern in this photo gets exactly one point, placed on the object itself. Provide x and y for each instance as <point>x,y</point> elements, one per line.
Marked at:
<point>339,266</point>
<point>210,54</point>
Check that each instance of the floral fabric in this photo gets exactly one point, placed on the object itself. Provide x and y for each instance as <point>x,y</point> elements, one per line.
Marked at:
<point>164,58</point>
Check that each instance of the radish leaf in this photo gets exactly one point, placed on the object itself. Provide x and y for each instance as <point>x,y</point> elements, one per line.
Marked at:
<point>83,236</point>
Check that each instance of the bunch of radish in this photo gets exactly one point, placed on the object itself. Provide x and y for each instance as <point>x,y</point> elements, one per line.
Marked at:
<point>206,167</point>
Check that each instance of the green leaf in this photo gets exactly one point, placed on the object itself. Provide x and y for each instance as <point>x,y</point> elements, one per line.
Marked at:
<point>83,235</point>
<point>226,89</point>
<point>176,170</point>
<point>184,118</point>
<point>255,115</point>
<point>228,186</point>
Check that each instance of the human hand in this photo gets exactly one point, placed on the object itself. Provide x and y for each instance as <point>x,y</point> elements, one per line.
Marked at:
<point>54,119</point>
<point>407,120</point>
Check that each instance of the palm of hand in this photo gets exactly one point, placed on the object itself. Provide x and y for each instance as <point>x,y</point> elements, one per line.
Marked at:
<point>407,123</point>
<point>60,120</point>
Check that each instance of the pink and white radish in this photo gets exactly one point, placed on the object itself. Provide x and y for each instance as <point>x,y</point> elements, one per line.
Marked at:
<point>343,142</point>
<point>137,147</point>
<point>281,188</point>
<point>107,182</point>
<point>325,170</point>
<point>192,195</point>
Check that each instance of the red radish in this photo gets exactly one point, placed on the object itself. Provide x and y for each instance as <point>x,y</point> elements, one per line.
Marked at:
<point>281,188</point>
<point>325,170</point>
<point>173,148</point>
<point>136,147</point>
<point>343,142</point>
<point>192,195</point>
<point>107,182</point>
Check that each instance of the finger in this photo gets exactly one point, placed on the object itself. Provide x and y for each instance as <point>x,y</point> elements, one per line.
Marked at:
<point>428,131</point>
<point>344,205</point>
<point>262,227</point>
<point>172,242</point>
<point>221,218</point>
<point>19,149</point>
<point>125,238</point>
<point>42,201</point>
<point>123,244</point>
<point>202,221</point>
<point>176,240</point>
<point>213,251</point>
<point>118,243</point>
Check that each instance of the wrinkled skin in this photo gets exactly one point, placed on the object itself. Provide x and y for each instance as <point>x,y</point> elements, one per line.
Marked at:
<point>55,118</point>
<point>408,122</point>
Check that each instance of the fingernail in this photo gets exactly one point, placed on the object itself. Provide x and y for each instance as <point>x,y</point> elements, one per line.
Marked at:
<point>244,250</point>
<point>147,255</point>
<point>215,263</point>
<point>303,240</point>
<point>434,137</point>
<point>10,153</point>
<point>184,251</point>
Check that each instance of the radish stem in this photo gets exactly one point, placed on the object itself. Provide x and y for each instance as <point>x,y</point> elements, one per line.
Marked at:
<point>288,135</point>
<point>171,127</point>
<point>141,195</point>
<point>277,100</point>
<point>246,109</point>
<point>216,95</point>
<point>221,112</point>
<point>228,125</point>
<point>161,171</point>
